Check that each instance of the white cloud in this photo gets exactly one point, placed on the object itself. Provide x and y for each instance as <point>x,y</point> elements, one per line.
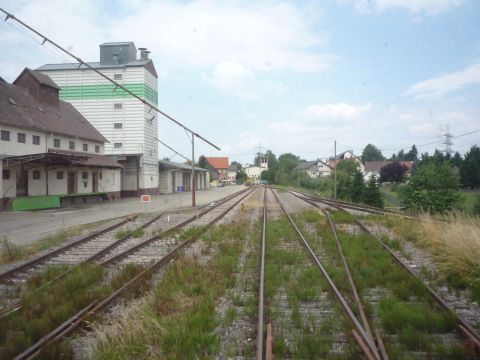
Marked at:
<point>258,36</point>
<point>338,110</point>
<point>233,78</point>
<point>447,83</point>
<point>429,7</point>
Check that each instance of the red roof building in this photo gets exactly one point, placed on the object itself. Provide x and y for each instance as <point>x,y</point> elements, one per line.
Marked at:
<point>220,164</point>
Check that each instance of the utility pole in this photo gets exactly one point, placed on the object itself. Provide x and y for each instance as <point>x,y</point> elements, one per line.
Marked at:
<point>118,86</point>
<point>335,169</point>
<point>193,171</point>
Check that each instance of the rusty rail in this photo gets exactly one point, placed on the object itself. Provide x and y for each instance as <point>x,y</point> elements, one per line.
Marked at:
<point>342,204</point>
<point>75,322</point>
<point>40,259</point>
<point>362,338</point>
<point>261,295</point>
<point>464,328</point>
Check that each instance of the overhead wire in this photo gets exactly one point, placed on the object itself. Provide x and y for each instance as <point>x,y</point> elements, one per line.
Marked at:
<point>145,102</point>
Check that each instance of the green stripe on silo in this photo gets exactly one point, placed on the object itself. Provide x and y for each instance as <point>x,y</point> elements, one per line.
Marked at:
<point>107,91</point>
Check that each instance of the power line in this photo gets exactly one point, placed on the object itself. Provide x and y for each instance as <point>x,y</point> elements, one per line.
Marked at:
<point>117,85</point>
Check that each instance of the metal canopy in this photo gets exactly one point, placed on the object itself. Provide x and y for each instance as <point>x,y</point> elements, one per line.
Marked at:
<point>45,159</point>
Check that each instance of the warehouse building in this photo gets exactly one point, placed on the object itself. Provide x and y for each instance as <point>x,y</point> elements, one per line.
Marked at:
<point>175,177</point>
<point>50,154</point>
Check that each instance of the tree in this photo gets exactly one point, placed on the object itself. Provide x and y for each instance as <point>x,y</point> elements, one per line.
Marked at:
<point>372,153</point>
<point>356,193</point>
<point>372,194</point>
<point>433,188</point>
<point>264,175</point>
<point>470,168</point>
<point>238,165</point>
<point>412,155</point>
<point>241,177</point>
<point>393,172</point>
<point>401,155</point>
<point>457,160</point>
<point>286,163</point>
<point>349,166</point>
<point>203,163</point>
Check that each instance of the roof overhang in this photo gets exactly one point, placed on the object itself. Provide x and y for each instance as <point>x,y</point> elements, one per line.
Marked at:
<point>50,158</point>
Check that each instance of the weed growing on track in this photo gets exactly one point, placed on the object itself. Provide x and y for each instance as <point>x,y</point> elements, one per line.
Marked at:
<point>43,309</point>
<point>408,312</point>
<point>342,217</point>
<point>10,252</point>
<point>138,233</point>
<point>121,233</point>
<point>177,320</point>
<point>286,270</point>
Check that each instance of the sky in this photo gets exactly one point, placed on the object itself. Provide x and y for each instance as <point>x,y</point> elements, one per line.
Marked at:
<point>289,76</point>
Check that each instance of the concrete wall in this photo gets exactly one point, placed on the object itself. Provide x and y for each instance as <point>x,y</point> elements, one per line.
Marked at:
<point>109,182</point>
<point>14,148</point>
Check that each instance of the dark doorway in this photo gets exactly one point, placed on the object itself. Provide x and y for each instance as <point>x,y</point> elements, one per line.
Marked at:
<point>94,182</point>
<point>71,183</point>
<point>22,182</point>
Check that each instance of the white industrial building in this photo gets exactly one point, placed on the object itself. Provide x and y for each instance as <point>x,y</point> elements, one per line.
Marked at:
<point>129,125</point>
<point>255,171</point>
<point>48,150</point>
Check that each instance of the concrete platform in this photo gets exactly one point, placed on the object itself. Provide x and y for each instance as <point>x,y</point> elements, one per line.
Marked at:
<point>26,227</point>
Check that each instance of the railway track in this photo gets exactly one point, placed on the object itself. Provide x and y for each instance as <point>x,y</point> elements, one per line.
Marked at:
<point>104,246</point>
<point>464,327</point>
<point>304,323</point>
<point>342,205</point>
<point>156,252</point>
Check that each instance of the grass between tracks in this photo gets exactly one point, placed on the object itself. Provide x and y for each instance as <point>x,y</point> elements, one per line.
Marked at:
<point>288,269</point>
<point>452,241</point>
<point>10,252</point>
<point>43,309</point>
<point>405,311</point>
<point>178,318</point>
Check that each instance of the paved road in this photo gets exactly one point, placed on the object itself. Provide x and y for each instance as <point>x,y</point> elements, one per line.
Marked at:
<point>27,226</point>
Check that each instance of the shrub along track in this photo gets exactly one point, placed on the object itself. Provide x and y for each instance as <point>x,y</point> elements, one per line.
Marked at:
<point>411,314</point>
<point>133,274</point>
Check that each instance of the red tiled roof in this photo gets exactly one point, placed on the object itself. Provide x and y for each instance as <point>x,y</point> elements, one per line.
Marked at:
<point>218,162</point>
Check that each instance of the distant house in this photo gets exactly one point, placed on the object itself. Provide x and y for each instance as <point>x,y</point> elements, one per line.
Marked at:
<point>314,169</point>
<point>372,168</point>
<point>220,165</point>
<point>346,155</point>
<point>232,173</point>
<point>253,171</point>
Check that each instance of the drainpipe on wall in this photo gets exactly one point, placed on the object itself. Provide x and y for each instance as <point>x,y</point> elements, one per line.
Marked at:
<point>138,176</point>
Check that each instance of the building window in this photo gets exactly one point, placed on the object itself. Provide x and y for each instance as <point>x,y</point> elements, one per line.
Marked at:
<point>97,148</point>
<point>56,143</point>
<point>117,125</point>
<point>36,175</point>
<point>117,76</point>
<point>85,175</point>
<point>6,174</point>
<point>36,140</point>
<point>100,175</point>
<point>5,135</point>
<point>117,145</point>
<point>21,138</point>
<point>85,147</point>
<point>71,145</point>
<point>59,175</point>
<point>118,106</point>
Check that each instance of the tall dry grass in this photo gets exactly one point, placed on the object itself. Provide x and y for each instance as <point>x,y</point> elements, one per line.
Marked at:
<point>454,242</point>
